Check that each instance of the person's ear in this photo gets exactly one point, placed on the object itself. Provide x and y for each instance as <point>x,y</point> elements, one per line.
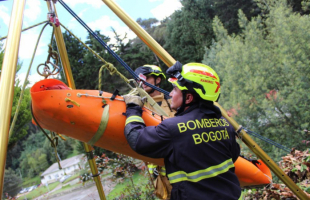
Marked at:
<point>189,98</point>
<point>158,80</point>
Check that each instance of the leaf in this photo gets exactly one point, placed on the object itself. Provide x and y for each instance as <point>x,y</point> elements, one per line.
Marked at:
<point>294,169</point>
<point>303,167</point>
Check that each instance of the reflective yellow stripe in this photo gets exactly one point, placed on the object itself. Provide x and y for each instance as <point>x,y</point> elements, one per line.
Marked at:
<point>151,168</point>
<point>163,171</point>
<point>134,118</point>
<point>201,174</point>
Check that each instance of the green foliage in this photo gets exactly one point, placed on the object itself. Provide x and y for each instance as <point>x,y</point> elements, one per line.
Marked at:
<point>1,56</point>
<point>190,29</point>
<point>264,73</point>
<point>40,191</point>
<point>27,182</point>
<point>38,154</point>
<point>85,66</point>
<point>12,183</point>
<point>137,186</point>
<point>24,115</point>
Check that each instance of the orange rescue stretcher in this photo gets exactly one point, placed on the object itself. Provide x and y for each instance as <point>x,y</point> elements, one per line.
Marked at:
<point>98,120</point>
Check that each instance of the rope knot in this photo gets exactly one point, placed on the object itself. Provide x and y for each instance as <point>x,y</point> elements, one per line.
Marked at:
<point>111,68</point>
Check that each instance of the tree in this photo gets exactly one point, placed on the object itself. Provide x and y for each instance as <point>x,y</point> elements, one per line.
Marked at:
<point>11,184</point>
<point>24,115</point>
<point>22,123</point>
<point>264,73</point>
<point>38,155</point>
<point>190,29</point>
<point>20,130</point>
<point>85,65</point>
<point>300,6</point>
<point>24,112</point>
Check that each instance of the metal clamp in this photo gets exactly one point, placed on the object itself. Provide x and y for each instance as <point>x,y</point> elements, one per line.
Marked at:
<point>239,133</point>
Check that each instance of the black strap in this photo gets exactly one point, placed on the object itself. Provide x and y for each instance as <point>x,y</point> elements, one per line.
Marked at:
<point>115,93</point>
<point>169,105</point>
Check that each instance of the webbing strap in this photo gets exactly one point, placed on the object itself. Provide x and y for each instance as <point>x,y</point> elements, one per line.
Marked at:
<point>102,126</point>
<point>201,174</point>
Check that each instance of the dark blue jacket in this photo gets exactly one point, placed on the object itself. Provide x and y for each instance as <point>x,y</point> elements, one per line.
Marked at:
<point>198,148</point>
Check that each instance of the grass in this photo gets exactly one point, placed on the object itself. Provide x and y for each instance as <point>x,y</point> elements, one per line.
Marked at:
<point>30,182</point>
<point>71,178</point>
<point>138,179</point>
<point>39,191</point>
<point>66,187</point>
<point>74,153</point>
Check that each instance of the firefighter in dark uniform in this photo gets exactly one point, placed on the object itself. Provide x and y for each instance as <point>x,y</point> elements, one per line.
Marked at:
<point>198,145</point>
<point>154,75</point>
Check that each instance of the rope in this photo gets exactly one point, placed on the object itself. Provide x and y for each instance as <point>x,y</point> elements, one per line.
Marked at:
<point>51,54</point>
<point>109,49</point>
<point>54,138</point>
<point>25,29</point>
<point>268,140</point>
<point>25,83</point>
<point>112,71</point>
<point>72,101</point>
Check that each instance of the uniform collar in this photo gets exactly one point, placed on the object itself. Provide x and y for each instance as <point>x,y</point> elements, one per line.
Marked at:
<point>158,98</point>
<point>208,109</point>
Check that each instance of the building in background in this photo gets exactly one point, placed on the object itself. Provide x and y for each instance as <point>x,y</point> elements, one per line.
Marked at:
<point>69,166</point>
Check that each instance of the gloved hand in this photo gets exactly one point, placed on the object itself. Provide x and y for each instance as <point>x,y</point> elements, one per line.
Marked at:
<point>136,100</point>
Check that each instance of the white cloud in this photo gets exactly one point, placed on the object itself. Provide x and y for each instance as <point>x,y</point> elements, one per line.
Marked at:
<point>72,24</point>
<point>28,42</point>
<point>4,15</point>
<point>105,25</point>
<point>33,9</point>
<point>93,3</point>
<point>32,78</point>
<point>166,9</point>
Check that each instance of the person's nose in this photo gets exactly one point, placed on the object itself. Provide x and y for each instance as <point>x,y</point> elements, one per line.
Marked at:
<point>170,94</point>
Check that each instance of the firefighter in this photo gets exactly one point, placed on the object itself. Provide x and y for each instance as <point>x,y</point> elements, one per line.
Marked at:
<point>154,75</point>
<point>198,145</point>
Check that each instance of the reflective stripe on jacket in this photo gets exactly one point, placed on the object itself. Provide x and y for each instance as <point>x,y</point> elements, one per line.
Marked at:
<point>201,174</point>
<point>153,168</point>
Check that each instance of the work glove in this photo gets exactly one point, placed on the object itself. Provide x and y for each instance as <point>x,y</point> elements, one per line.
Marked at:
<point>134,100</point>
<point>177,67</point>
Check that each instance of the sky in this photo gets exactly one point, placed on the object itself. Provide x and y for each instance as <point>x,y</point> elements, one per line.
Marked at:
<point>93,12</point>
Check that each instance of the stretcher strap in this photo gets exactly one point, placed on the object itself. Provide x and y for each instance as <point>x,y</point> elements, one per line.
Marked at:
<point>102,126</point>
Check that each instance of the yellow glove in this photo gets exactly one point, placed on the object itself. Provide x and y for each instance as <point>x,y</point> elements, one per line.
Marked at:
<point>136,100</point>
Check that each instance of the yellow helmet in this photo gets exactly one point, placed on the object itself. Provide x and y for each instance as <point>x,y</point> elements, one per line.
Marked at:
<point>150,70</point>
<point>196,77</point>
